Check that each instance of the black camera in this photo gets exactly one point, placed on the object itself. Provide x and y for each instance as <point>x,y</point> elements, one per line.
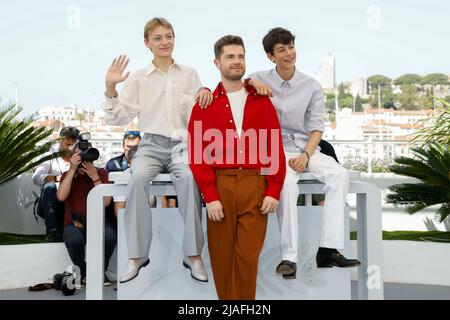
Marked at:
<point>87,153</point>
<point>65,282</point>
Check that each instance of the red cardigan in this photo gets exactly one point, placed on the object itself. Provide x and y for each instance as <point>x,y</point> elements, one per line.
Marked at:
<point>212,132</point>
<point>76,202</point>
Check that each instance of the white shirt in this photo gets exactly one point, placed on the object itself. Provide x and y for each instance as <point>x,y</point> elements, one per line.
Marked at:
<point>162,101</point>
<point>53,167</point>
<point>237,103</point>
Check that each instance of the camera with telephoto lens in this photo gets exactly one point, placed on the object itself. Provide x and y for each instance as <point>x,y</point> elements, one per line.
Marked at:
<point>87,153</point>
<point>65,282</point>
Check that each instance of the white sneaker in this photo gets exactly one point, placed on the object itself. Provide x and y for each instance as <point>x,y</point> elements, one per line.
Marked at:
<point>197,268</point>
<point>132,269</point>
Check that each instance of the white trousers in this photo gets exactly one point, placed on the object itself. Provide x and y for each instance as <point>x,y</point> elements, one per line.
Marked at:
<point>325,169</point>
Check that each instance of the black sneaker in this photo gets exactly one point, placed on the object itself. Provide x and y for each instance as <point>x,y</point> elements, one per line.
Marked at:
<point>54,236</point>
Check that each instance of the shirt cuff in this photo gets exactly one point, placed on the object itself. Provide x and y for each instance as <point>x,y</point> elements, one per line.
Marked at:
<point>210,194</point>
<point>111,103</point>
<point>273,190</point>
<point>319,127</point>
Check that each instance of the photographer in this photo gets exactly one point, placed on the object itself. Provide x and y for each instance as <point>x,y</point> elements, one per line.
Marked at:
<point>75,185</point>
<point>121,163</point>
<point>47,176</point>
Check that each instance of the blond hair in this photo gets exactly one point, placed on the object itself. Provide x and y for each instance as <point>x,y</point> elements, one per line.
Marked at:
<point>154,23</point>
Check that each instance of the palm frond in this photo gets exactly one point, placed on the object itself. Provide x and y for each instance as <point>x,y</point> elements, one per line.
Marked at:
<point>21,144</point>
<point>431,165</point>
<point>443,212</point>
<point>436,128</point>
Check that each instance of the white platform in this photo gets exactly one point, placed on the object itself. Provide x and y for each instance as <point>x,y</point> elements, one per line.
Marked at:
<point>167,229</point>
<point>166,278</point>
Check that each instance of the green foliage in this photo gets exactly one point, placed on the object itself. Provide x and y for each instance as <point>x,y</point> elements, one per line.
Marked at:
<point>435,78</point>
<point>20,144</point>
<point>409,78</point>
<point>409,97</point>
<point>358,103</point>
<point>436,128</point>
<point>387,98</point>
<point>12,239</point>
<point>330,105</point>
<point>378,79</point>
<point>431,166</point>
<point>429,236</point>
<point>345,100</point>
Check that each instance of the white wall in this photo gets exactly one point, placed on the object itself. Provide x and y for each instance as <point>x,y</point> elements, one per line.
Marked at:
<point>413,262</point>
<point>22,266</point>
<point>16,206</point>
<point>25,265</point>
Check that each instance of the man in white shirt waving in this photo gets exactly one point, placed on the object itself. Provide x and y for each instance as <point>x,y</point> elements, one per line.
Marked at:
<point>162,96</point>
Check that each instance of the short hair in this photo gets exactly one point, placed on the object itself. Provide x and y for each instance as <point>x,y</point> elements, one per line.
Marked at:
<point>227,41</point>
<point>277,35</point>
<point>131,135</point>
<point>157,22</point>
<point>131,152</point>
<point>69,132</point>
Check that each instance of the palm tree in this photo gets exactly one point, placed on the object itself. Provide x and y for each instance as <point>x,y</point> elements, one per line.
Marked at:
<point>80,117</point>
<point>437,127</point>
<point>21,147</point>
<point>431,165</point>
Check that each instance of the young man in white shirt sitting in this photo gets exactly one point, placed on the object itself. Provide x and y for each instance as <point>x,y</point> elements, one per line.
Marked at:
<point>300,106</point>
<point>162,96</point>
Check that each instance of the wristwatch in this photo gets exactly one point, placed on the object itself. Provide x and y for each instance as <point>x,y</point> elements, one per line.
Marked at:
<point>108,97</point>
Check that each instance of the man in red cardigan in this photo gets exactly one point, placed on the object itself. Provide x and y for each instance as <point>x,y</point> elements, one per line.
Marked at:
<point>237,159</point>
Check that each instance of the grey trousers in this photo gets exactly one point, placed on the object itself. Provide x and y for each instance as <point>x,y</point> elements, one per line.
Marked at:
<point>157,154</point>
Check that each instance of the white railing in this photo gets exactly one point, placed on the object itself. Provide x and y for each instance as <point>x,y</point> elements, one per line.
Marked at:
<point>368,151</point>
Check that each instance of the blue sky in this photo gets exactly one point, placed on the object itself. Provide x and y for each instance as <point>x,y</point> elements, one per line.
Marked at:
<point>58,56</point>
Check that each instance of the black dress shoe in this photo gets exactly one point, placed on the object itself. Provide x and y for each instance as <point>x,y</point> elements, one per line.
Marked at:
<point>287,269</point>
<point>334,259</point>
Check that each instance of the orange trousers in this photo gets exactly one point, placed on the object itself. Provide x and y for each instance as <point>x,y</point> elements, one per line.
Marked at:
<point>236,242</point>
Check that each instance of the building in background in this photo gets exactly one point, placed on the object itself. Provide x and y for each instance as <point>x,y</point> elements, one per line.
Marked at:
<point>359,87</point>
<point>328,72</point>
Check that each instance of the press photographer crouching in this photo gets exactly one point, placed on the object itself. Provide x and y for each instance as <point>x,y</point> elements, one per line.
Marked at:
<point>75,185</point>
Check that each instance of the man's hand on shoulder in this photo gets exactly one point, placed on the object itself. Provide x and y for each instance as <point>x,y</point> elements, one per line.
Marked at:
<point>261,88</point>
<point>204,97</point>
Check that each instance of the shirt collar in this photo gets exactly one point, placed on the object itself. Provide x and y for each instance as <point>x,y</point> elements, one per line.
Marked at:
<point>220,90</point>
<point>151,67</point>
<point>279,81</point>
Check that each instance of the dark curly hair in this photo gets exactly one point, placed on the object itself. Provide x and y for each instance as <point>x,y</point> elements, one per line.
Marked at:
<point>277,35</point>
